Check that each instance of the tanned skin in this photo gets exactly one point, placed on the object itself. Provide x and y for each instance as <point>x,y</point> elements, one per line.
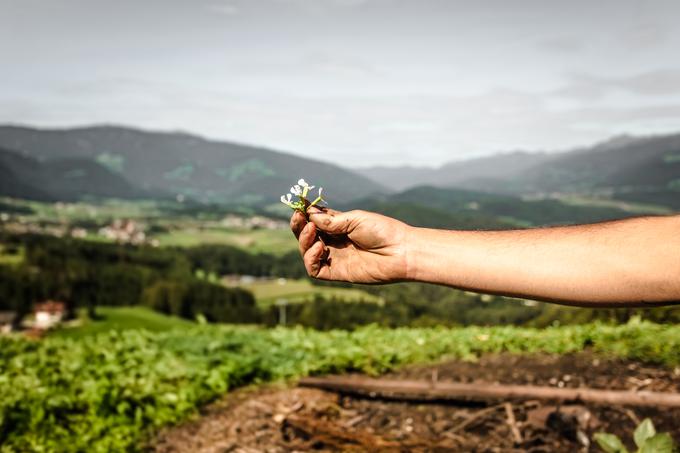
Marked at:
<point>625,263</point>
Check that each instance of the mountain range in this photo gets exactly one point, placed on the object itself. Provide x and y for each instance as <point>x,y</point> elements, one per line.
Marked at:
<point>129,163</point>
<point>517,187</point>
<point>640,169</point>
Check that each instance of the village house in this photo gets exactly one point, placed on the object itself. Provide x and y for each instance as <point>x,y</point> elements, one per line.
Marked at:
<point>7,321</point>
<point>48,314</point>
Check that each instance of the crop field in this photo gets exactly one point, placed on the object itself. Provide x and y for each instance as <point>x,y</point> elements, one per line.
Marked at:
<point>121,319</point>
<point>110,391</point>
<point>268,291</point>
<point>632,207</point>
<point>101,210</point>
<point>11,257</point>
<point>278,242</point>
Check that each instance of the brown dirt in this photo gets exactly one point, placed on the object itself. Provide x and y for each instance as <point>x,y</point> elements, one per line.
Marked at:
<point>282,419</point>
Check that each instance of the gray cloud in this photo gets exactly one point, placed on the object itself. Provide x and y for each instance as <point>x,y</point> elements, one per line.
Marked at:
<point>652,83</point>
<point>562,44</point>
<point>354,81</point>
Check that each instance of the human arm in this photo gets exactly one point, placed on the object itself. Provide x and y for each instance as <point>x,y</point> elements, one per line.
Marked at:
<point>625,263</point>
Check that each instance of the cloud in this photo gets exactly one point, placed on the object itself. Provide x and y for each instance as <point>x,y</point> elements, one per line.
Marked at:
<point>226,8</point>
<point>562,45</point>
<point>645,36</point>
<point>661,82</point>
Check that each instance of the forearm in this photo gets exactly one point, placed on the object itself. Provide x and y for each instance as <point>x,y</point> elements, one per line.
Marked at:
<point>622,263</point>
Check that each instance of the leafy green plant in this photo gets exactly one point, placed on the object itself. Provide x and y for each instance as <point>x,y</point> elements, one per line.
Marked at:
<point>108,392</point>
<point>301,190</point>
<point>646,439</point>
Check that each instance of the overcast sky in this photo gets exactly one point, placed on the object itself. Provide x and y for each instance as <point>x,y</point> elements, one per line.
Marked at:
<point>357,82</point>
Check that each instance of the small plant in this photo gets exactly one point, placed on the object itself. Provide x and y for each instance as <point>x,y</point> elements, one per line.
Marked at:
<point>645,437</point>
<point>301,190</point>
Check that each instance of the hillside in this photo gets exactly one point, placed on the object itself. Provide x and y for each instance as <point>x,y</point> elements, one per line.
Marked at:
<point>496,167</point>
<point>179,163</point>
<point>60,179</point>
<point>641,169</point>
<point>438,207</point>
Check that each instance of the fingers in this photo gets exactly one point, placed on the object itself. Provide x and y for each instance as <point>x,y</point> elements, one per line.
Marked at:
<point>312,259</point>
<point>333,222</point>
<point>297,223</point>
<point>307,237</point>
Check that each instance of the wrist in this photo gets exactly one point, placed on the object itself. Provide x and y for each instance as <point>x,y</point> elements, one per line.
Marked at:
<point>413,253</point>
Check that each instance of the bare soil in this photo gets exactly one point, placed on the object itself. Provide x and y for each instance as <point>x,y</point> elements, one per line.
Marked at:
<point>287,419</point>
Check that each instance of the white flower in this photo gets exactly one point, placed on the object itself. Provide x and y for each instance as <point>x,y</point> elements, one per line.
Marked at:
<point>301,191</point>
<point>304,183</point>
<point>286,199</point>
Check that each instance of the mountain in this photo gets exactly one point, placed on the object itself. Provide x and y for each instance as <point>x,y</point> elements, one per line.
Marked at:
<point>61,179</point>
<point>437,207</point>
<point>179,163</point>
<point>642,169</point>
<point>455,174</point>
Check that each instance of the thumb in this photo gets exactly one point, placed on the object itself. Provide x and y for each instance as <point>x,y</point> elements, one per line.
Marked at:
<point>333,222</point>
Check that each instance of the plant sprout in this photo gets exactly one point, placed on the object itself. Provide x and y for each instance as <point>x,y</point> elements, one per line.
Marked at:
<point>301,191</point>
<point>646,439</point>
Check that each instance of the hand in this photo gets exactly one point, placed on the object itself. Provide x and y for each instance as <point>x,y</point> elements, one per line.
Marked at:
<point>353,246</point>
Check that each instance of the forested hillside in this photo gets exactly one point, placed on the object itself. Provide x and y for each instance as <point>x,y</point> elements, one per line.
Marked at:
<point>177,163</point>
<point>61,179</point>
<point>638,169</point>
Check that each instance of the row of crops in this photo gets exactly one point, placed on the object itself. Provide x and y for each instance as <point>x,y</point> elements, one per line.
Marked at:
<point>110,391</point>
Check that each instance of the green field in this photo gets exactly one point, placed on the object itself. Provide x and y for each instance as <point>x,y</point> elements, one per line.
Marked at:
<point>108,392</point>
<point>121,319</point>
<point>268,291</point>
<point>277,242</point>
<point>11,259</point>
<point>99,210</point>
<point>633,208</point>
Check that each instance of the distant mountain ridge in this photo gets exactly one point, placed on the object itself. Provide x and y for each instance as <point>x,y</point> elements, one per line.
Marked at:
<point>438,207</point>
<point>641,169</point>
<point>178,163</point>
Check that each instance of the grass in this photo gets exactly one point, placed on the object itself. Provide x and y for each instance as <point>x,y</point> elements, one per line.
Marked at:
<point>268,291</point>
<point>123,318</point>
<point>11,259</point>
<point>277,242</point>
<point>633,208</point>
<point>99,210</point>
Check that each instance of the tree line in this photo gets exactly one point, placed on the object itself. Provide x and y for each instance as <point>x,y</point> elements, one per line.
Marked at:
<point>86,274</point>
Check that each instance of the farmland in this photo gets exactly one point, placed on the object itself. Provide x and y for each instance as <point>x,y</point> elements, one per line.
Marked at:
<point>254,241</point>
<point>121,319</point>
<point>302,290</point>
<point>111,391</point>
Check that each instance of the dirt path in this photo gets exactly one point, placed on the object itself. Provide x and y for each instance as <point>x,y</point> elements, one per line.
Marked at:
<point>280,419</point>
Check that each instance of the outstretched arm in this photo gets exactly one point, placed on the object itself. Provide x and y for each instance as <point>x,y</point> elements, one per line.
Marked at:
<point>633,262</point>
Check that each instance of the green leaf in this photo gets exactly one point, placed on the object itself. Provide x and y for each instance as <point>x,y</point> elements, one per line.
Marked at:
<point>610,443</point>
<point>644,431</point>
<point>659,443</point>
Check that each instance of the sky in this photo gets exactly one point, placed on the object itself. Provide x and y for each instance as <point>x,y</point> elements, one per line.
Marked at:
<point>355,82</point>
